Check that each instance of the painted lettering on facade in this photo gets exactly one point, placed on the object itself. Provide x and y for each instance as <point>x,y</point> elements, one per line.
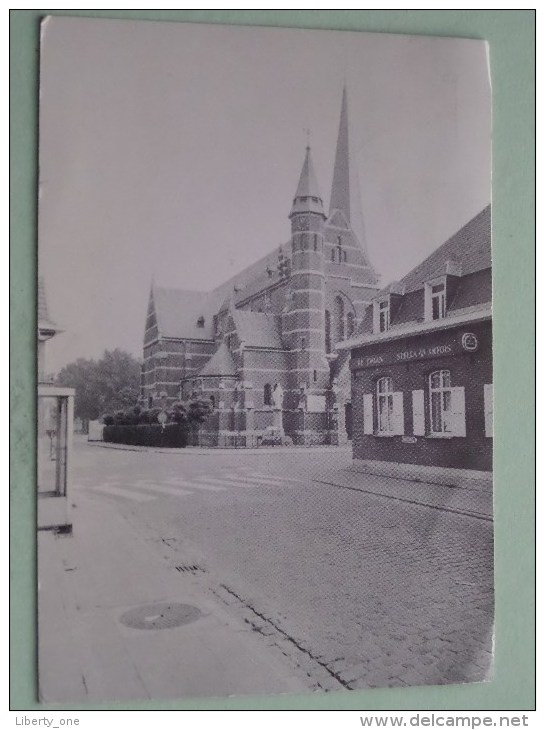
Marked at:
<point>421,353</point>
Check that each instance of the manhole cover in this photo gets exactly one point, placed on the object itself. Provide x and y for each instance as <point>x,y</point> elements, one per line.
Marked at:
<point>160,616</point>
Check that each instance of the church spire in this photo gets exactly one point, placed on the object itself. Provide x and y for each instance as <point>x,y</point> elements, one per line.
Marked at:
<point>307,196</point>
<point>345,190</point>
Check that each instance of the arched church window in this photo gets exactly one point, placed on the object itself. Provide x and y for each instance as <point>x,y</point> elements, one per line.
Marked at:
<point>340,254</point>
<point>339,319</point>
<point>267,394</point>
<point>212,402</point>
<point>333,254</point>
<point>350,324</point>
<point>327,331</point>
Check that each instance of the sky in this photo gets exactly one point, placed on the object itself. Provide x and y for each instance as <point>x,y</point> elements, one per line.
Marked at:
<point>171,151</point>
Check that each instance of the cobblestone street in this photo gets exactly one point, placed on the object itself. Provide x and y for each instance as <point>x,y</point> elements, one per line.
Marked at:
<point>349,589</point>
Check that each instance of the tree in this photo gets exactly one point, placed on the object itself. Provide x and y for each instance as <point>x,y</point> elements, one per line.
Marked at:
<point>107,385</point>
<point>178,413</point>
<point>198,411</point>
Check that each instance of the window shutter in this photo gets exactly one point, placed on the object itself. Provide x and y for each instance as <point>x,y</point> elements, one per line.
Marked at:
<point>419,428</point>
<point>368,413</point>
<point>458,412</point>
<point>488,410</point>
<point>398,415</point>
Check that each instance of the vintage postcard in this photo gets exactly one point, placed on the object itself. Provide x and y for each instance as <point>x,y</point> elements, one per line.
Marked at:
<point>265,361</point>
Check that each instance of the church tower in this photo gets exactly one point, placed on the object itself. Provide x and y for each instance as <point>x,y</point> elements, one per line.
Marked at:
<point>304,325</point>
<point>345,200</point>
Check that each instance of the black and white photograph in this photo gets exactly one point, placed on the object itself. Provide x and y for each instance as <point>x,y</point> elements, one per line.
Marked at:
<point>265,391</point>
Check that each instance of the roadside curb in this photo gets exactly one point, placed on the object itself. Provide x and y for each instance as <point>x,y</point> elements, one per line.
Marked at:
<point>202,451</point>
<point>444,476</point>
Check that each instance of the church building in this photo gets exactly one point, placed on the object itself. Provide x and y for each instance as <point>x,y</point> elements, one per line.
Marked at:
<point>261,347</point>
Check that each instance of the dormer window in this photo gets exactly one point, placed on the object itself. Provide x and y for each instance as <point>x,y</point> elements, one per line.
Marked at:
<point>200,322</point>
<point>438,301</point>
<point>435,304</point>
<point>383,316</point>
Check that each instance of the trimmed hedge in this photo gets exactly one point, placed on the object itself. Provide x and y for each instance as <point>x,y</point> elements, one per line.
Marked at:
<point>171,435</point>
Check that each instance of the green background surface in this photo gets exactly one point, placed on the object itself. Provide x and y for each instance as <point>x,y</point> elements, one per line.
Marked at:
<point>511,34</point>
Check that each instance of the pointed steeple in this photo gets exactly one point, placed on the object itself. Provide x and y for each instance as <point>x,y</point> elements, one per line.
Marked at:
<point>307,196</point>
<point>345,189</point>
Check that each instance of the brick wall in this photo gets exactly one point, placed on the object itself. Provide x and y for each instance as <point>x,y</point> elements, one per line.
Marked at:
<point>470,370</point>
<point>167,361</point>
<point>262,367</point>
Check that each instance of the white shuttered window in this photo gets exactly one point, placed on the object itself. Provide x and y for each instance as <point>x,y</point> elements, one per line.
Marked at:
<point>440,397</point>
<point>390,416</point>
<point>398,418</point>
<point>447,406</point>
<point>385,405</point>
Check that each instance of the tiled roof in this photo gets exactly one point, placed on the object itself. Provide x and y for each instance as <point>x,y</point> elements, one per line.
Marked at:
<point>470,247</point>
<point>178,311</point>
<point>469,251</point>
<point>308,184</point>
<point>258,329</point>
<point>261,284</point>
<point>475,313</point>
<point>252,279</point>
<point>221,363</point>
<point>307,196</point>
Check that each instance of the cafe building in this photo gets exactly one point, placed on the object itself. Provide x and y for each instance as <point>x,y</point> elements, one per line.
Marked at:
<point>421,364</point>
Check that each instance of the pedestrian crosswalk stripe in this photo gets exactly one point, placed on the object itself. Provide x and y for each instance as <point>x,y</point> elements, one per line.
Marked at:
<point>265,481</point>
<point>259,478</point>
<point>145,490</point>
<point>245,481</point>
<point>222,482</point>
<point>229,475</point>
<point>111,491</point>
<point>278,479</point>
<point>197,485</point>
<point>153,487</point>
